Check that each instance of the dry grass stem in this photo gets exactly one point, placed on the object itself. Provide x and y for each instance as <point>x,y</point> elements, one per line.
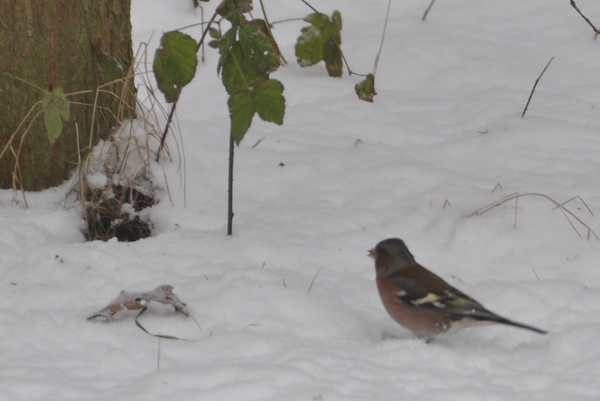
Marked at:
<point>561,206</point>
<point>582,201</point>
<point>116,182</point>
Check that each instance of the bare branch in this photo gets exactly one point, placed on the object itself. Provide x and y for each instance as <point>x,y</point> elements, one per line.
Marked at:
<point>427,11</point>
<point>584,17</point>
<point>534,86</point>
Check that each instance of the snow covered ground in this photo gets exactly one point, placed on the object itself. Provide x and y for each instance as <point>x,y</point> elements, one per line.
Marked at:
<point>444,131</point>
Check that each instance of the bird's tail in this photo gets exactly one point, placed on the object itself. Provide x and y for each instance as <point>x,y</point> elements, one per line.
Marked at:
<point>484,315</point>
<point>521,325</point>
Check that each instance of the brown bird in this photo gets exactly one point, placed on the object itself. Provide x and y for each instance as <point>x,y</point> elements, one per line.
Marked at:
<point>420,300</point>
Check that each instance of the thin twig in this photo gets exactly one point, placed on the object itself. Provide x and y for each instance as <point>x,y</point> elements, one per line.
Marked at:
<point>516,210</point>
<point>584,17</point>
<point>536,276</point>
<point>158,356</point>
<point>81,169</point>
<point>534,86</point>
<point>286,20</point>
<point>311,7</point>
<point>313,281</point>
<point>387,15</point>
<point>202,19</point>
<point>262,6</point>
<point>427,11</point>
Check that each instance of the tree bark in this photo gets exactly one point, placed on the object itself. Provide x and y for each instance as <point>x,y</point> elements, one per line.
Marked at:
<point>58,43</point>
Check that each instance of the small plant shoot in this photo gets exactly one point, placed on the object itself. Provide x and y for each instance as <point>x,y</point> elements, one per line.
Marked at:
<point>248,54</point>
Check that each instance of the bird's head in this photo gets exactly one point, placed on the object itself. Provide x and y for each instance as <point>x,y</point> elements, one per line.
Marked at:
<point>391,255</point>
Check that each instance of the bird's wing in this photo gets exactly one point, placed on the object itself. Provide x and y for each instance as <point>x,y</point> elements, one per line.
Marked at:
<point>439,296</point>
<point>432,292</point>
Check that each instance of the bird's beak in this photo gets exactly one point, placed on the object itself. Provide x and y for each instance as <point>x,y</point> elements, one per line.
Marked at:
<point>371,253</point>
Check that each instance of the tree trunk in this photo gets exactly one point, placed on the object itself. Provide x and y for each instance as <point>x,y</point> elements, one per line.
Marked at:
<point>59,43</point>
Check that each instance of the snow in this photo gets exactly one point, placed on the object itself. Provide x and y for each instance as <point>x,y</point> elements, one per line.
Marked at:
<point>288,306</point>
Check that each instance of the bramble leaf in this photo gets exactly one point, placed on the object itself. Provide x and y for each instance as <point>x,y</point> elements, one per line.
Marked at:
<point>365,89</point>
<point>258,47</point>
<point>266,99</point>
<point>237,74</point>
<point>269,101</point>
<point>175,63</point>
<point>233,10</point>
<point>56,107</point>
<point>321,41</point>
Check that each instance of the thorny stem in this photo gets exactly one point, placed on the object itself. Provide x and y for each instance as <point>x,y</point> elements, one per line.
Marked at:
<point>164,135</point>
<point>230,185</point>
<point>212,19</point>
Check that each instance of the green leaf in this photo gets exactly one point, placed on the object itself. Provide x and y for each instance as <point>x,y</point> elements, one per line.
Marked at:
<point>224,43</point>
<point>310,43</point>
<point>266,99</point>
<point>233,10</point>
<point>241,111</point>
<point>336,18</point>
<point>56,107</point>
<point>237,73</point>
<point>258,47</point>
<point>53,125</point>
<point>110,66</point>
<point>214,33</point>
<point>269,101</point>
<point>175,63</point>
<point>365,89</point>
<point>321,41</point>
